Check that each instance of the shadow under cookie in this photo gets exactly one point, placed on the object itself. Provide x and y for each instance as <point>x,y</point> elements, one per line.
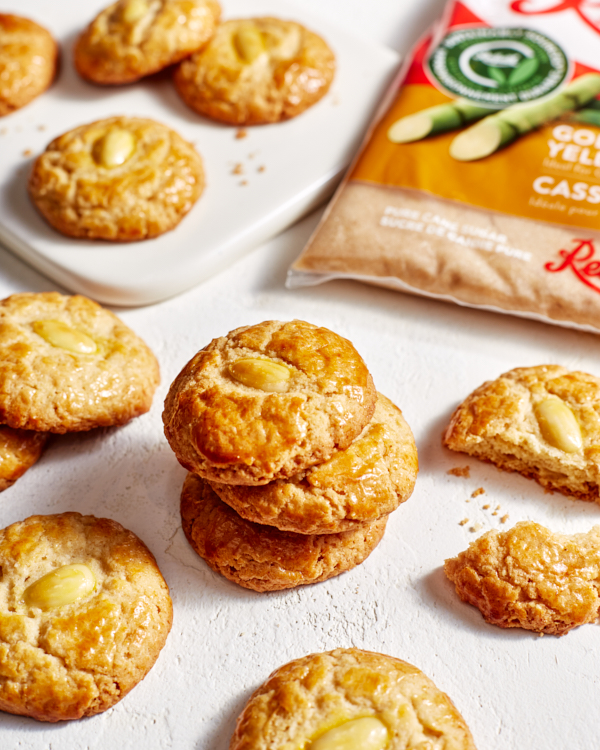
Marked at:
<point>263,558</point>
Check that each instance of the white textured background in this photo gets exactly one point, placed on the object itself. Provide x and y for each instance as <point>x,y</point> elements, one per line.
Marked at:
<point>515,689</point>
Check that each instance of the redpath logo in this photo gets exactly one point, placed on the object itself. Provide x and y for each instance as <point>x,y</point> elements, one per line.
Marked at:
<point>581,262</point>
<point>587,10</point>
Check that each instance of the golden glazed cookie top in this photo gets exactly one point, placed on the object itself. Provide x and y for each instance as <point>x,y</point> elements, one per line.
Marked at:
<point>75,640</point>
<point>542,421</point>
<point>119,179</point>
<point>19,450</point>
<point>67,364</point>
<point>306,699</point>
<point>257,70</point>
<point>263,558</point>
<point>266,401</point>
<point>28,60</point>
<point>531,578</point>
<point>133,38</point>
<point>368,480</point>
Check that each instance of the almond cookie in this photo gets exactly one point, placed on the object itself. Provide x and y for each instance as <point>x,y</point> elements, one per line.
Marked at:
<point>528,577</point>
<point>28,61</point>
<point>84,613</point>
<point>262,558</point>
<point>121,179</point>
<point>133,38</point>
<point>266,401</point>
<point>540,421</point>
<point>67,364</point>
<point>19,450</point>
<point>350,698</point>
<point>255,71</point>
<point>358,485</point>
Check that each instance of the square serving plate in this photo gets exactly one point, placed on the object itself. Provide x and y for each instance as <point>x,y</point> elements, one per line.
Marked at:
<point>256,185</point>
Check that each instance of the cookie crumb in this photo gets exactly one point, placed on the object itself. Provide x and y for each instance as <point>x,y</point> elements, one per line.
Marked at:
<point>460,471</point>
<point>497,507</point>
<point>486,506</point>
<point>27,152</point>
<point>238,169</point>
<point>243,182</point>
<point>261,168</point>
<point>240,133</point>
<point>463,522</point>
<point>476,527</point>
<point>477,492</point>
<point>504,518</point>
<point>41,127</point>
<point>495,513</point>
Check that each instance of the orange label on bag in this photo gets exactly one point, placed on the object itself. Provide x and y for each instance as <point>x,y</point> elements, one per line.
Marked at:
<point>550,174</point>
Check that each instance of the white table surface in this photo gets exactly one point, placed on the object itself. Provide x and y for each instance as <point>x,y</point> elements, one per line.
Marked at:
<point>515,689</point>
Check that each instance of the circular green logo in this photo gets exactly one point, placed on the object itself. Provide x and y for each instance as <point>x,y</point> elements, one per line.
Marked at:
<point>498,67</point>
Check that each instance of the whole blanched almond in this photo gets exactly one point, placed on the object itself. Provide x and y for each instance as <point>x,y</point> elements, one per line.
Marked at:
<point>558,424</point>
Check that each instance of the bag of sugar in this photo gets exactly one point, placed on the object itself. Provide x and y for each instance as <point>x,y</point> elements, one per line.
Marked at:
<point>479,183</point>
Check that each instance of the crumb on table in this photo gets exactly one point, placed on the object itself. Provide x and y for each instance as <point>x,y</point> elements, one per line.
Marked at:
<point>504,518</point>
<point>477,492</point>
<point>476,527</point>
<point>240,133</point>
<point>486,506</point>
<point>238,169</point>
<point>27,152</point>
<point>261,168</point>
<point>463,522</point>
<point>460,471</point>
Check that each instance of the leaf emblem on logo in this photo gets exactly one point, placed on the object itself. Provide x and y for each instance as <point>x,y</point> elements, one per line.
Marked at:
<point>524,70</point>
<point>497,74</point>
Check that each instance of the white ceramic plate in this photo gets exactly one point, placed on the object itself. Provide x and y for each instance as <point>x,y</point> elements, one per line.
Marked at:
<point>286,168</point>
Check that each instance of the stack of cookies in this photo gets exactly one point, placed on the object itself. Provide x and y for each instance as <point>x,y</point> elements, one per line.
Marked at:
<point>295,460</point>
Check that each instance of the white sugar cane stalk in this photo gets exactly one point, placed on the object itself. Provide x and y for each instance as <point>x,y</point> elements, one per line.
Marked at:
<point>438,119</point>
<point>503,127</point>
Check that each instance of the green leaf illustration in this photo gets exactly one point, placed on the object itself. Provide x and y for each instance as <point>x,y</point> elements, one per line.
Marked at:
<point>524,70</point>
<point>497,74</point>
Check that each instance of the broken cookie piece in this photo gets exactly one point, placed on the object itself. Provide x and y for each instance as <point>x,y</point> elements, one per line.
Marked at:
<point>542,422</point>
<point>528,577</point>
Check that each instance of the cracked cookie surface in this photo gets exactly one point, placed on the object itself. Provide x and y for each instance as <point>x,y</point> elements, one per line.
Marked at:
<point>79,658</point>
<point>28,61</point>
<point>263,558</point>
<point>303,700</point>
<point>528,577</point>
<point>256,71</point>
<point>134,38</point>
<point>543,422</point>
<point>121,179</point>
<point>266,401</point>
<point>368,480</point>
<point>67,364</point>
